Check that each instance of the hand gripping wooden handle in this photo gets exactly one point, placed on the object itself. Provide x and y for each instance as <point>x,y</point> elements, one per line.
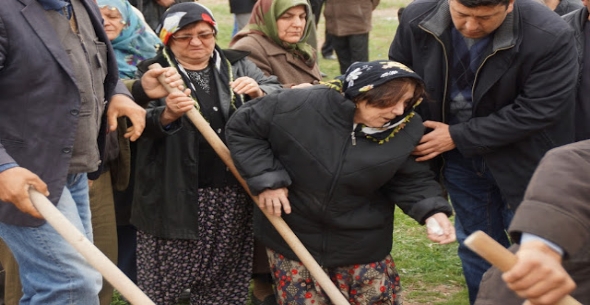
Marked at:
<point>482,244</point>
<point>280,225</point>
<point>88,250</point>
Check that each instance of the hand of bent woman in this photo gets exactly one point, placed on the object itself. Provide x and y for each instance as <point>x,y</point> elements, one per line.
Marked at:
<point>440,229</point>
<point>273,200</point>
<point>246,85</point>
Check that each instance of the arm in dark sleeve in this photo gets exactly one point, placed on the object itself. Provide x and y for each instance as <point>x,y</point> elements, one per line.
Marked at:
<point>153,126</point>
<point>268,84</point>
<point>547,97</point>
<point>416,192</point>
<point>247,135</point>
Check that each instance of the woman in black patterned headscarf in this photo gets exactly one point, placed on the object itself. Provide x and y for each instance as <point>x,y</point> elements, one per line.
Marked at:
<point>334,163</point>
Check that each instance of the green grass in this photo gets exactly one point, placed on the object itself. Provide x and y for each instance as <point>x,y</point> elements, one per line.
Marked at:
<point>430,273</point>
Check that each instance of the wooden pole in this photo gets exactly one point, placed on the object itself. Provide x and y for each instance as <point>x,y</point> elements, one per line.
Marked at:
<point>280,225</point>
<point>88,250</point>
<point>500,257</point>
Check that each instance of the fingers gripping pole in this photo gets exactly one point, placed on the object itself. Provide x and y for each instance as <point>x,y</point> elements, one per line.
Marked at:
<point>88,250</point>
<point>280,225</point>
<point>486,247</point>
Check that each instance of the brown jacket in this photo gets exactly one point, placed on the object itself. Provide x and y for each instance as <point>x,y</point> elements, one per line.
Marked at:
<point>275,60</point>
<point>349,17</point>
<point>556,207</point>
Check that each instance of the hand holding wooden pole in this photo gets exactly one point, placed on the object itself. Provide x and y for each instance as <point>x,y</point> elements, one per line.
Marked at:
<point>486,247</point>
<point>88,250</point>
<point>280,225</point>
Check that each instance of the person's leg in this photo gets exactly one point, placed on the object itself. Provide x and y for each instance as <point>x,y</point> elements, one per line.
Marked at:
<point>165,267</point>
<point>104,229</point>
<point>375,283</point>
<point>242,20</point>
<point>127,244</point>
<point>261,278</point>
<point>359,47</point>
<point>342,49</point>
<point>316,9</point>
<point>226,249</point>
<point>52,271</point>
<point>13,290</point>
<point>293,282</point>
<point>478,205</point>
<point>235,30</point>
<point>327,48</point>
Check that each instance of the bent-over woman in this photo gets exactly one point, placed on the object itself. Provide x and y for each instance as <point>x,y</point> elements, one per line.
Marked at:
<point>335,165</point>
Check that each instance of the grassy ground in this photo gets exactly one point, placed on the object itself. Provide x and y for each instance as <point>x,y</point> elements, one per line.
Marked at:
<point>430,273</point>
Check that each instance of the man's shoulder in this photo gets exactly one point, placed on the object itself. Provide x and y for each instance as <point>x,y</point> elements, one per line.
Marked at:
<point>535,15</point>
<point>255,42</point>
<point>574,17</point>
<point>419,7</point>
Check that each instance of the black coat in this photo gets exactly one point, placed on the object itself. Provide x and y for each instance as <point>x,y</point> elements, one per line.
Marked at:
<point>342,195</point>
<point>524,91</point>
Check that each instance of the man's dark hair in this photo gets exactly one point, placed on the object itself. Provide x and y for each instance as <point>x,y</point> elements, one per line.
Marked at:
<point>477,3</point>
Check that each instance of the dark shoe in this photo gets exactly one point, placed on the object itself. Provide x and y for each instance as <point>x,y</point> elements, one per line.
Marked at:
<point>330,57</point>
<point>322,74</point>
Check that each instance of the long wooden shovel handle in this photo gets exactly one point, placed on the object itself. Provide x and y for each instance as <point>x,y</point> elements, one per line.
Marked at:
<point>88,250</point>
<point>500,257</point>
<point>280,225</point>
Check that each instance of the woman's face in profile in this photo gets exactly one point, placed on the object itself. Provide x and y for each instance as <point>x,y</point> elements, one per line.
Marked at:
<point>113,21</point>
<point>376,117</point>
<point>291,24</point>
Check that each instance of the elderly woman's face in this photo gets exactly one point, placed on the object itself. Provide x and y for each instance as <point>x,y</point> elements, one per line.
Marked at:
<point>193,43</point>
<point>113,21</point>
<point>372,116</point>
<point>291,24</point>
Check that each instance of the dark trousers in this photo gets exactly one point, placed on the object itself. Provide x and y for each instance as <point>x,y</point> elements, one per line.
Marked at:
<point>350,49</point>
<point>327,48</point>
<point>127,259</point>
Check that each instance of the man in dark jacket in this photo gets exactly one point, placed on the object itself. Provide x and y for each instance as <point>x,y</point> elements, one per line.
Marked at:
<point>500,75</point>
<point>547,269</point>
<point>57,72</point>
